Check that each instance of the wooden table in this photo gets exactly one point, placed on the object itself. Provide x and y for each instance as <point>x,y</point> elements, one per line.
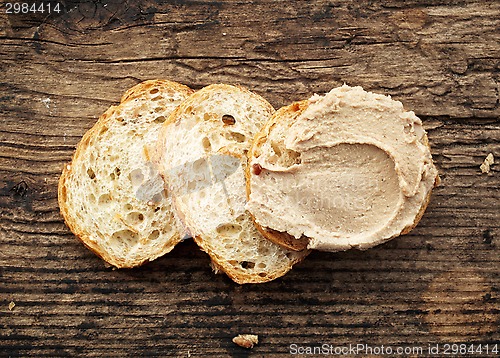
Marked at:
<point>59,72</point>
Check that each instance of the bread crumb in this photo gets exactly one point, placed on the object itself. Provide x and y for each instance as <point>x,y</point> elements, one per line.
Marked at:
<point>215,268</point>
<point>246,340</point>
<point>46,102</point>
<point>488,161</point>
<point>11,305</point>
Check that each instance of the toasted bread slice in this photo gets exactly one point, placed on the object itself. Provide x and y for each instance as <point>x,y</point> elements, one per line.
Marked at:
<point>202,155</point>
<point>111,195</point>
<point>350,169</point>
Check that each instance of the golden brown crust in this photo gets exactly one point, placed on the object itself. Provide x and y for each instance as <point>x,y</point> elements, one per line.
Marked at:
<point>161,85</point>
<point>78,231</point>
<point>241,277</point>
<point>281,238</point>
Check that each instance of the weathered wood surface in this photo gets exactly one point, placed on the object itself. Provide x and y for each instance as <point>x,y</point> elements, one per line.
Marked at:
<point>440,284</point>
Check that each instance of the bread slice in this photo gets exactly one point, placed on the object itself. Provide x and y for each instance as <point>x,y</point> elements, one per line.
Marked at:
<point>111,195</point>
<point>350,169</point>
<point>202,155</point>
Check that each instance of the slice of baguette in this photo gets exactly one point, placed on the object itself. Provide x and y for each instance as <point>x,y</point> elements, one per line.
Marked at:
<point>202,155</point>
<point>111,195</point>
<point>351,169</point>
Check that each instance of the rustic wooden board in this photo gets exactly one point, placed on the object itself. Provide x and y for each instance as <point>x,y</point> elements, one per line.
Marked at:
<point>440,284</point>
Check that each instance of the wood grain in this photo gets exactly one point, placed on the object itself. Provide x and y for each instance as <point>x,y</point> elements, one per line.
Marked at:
<point>438,284</point>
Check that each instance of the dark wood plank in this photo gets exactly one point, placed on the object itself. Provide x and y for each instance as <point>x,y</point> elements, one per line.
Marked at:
<point>439,284</point>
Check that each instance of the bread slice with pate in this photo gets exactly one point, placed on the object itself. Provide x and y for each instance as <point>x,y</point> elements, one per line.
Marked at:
<point>202,155</point>
<point>111,195</point>
<point>351,169</point>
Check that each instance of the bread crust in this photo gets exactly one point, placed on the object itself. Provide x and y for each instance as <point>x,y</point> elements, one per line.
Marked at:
<point>80,232</point>
<point>284,239</point>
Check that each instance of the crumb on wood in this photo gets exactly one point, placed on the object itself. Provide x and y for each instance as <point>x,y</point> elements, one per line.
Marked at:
<point>46,102</point>
<point>246,340</point>
<point>11,305</point>
<point>215,268</point>
<point>487,236</point>
<point>488,161</point>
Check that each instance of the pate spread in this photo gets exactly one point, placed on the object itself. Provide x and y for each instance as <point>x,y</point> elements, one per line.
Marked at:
<point>352,170</point>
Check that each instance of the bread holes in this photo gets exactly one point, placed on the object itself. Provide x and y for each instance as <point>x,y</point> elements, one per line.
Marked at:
<point>275,147</point>
<point>159,109</point>
<point>135,218</point>
<point>154,235</point>
<point>261,265</point>
<point>237,137</point>
<point>115,174</point>
<point>207,146</point>
<point>128,207</point>
<point>264,251</point>
<point>233,263</point>
<point>103,130</point>
<point>154,91</point>
<point>229,229</point>
<point>167,226</point>
<point>228,120</point>
<point>105,199</point>
<point>90,173</point>
<point>160,119</point>
<point>157,98</point>
<point>289,157</point>
<point>124,239</point>
<point>248,265</point>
